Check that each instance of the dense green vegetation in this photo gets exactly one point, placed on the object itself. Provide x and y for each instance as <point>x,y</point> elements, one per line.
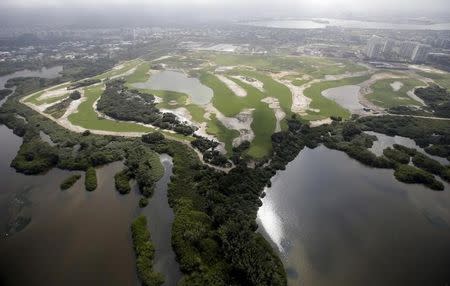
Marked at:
<point>90,180</point>
<point>122,182</point>
<point>424,132</point>
<point>34,157</point>
<point>411,175</point>
<point>4,93</point>
<point>214,232</point>
<point>432,166</point>
<point>396,155</point>
<point>86,116</point>
<point>144,166</point>
<point>69,182</point>
<point>59,109</point>
<point>145,253</point>
<point>123,104</point>
<point>437,99</point>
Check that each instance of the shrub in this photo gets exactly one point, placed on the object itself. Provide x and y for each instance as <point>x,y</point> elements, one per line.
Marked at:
<point>69,182</point>
<point>145,252</point>
<point>143,202</point>
<point>411,175</point>
<point>122,182</point>
<point>90,180</point>
<point>396,155</point>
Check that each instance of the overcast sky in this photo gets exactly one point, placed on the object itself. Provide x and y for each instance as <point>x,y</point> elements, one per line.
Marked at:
<point>217,9</point>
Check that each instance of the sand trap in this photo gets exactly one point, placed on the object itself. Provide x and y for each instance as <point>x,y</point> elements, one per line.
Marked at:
<point>279,113</point>
<point>251,81</point>
<point>241,122</point>
<point>234,87</point>
<point>317,123</point>
<point>300,102</point>
<point>396,85</point>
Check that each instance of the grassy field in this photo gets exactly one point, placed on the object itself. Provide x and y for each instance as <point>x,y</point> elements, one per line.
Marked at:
<point>230,105</point>
<point>327,106</point>
<point>114,72</point>
<point>441,79</point>
<point>87,118</point>
<point>140,74</point>
<point>383,94</point>
<point>274,89</point>
<point>225,135</point>
<point>36,101</point>
<point>314,66</point>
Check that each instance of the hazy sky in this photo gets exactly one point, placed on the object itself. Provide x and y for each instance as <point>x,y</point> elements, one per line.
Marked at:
<point>217,9</point>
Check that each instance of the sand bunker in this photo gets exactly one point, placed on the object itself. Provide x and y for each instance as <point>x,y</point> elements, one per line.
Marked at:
<point>396,85</point>
<point>234,87</point>
<point>251,81</point>
<point>241,122</point>
<point>279,113</point>
<point>317,123</point>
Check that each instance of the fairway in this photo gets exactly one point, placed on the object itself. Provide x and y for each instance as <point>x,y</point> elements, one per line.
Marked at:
<point>326,107</point>
<point>87,118</point>
<point>385,96</point>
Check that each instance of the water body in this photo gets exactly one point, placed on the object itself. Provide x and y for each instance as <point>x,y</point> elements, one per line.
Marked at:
<point>179,82</point>
<point>346,96</point>
<point>353,24</point>
<point>75,237</point>
<point>44,73</point>
<point>385,141</point>
<point>160,218</point>
<point>336,222</point>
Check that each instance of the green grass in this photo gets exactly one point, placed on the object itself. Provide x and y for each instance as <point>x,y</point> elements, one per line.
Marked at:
<point>314,66</point>
<point>225,135</point>
<point>126,67</point>
<point>140,75</point>
<point>34,99</point>
<point>87,118</point>
<point>327,106</point>
<point>230,105</point>
<point>274,89</point>
<point>383,95</point>
<point>196,112</point>
<point>441,79</point>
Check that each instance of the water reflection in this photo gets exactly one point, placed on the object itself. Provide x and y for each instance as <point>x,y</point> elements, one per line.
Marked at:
<point>44,73</point>
<point>383,141</point>
<point>76,237</point>
<point>179,82</point>
<point>347,224</point>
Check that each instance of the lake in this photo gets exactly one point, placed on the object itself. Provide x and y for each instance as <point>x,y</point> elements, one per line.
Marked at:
<point>179,82</point>
<point>75,237</point>
<point>336,222</point>
<point>44,73</point>
<point>346,96</point>
<point>342,23</point>
<point>383,141</point>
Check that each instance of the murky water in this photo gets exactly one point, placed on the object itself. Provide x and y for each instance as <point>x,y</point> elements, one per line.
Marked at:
<point>337,222</point>
<point>385,141</point>
<point>179,82</point>
<point>44,73</point>
<point>353,24</point>
<point>75,237</point>
<point>346,96</point>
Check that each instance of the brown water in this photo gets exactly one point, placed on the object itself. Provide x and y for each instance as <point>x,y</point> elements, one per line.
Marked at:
<point>75,237</point>
<point>337,222</point>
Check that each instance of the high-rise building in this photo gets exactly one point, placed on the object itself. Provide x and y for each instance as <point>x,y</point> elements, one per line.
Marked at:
<point>420,53</point>
<point>375,47</point>
<point>407,50</point>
